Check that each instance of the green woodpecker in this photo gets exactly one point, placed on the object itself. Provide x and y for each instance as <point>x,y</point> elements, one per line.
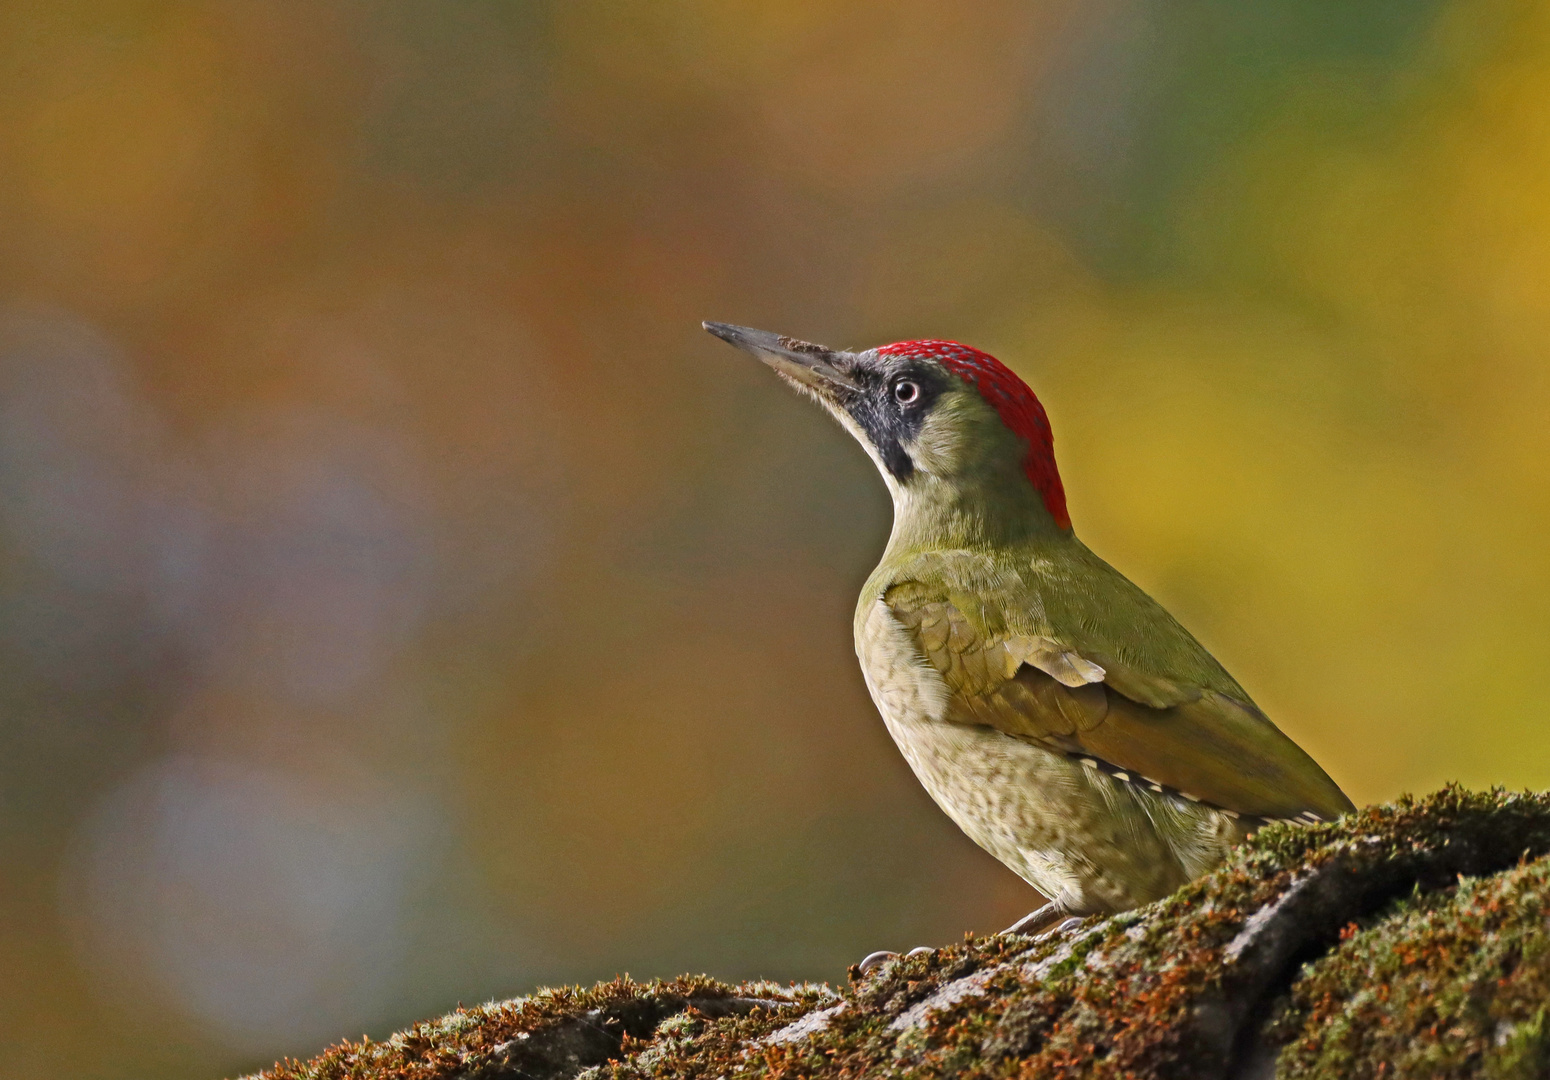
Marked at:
<point>1055,711</point>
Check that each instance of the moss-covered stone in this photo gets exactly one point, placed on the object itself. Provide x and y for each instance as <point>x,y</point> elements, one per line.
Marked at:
<point>1351,949</point>
<point>1448,984</point>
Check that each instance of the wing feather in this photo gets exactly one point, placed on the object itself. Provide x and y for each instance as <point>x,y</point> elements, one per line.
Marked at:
<point>1204,743</point>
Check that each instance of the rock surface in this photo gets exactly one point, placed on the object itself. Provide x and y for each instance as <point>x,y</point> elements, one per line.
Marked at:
<point>1407,940</point>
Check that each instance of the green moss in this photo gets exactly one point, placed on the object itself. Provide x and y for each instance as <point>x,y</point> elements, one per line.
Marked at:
<point>471,1042</point>
<point>1450,984</point>
<point>1431,976</point>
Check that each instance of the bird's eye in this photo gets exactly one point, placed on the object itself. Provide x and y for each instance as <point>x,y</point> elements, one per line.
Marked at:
<point>906,392</point>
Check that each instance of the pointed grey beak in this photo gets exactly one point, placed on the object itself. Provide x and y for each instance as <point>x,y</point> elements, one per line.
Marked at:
<point>811,365</point>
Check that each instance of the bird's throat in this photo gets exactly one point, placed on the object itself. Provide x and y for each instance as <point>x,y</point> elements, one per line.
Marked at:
<point>993,513</point>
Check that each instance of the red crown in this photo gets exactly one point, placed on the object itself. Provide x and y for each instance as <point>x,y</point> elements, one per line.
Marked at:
<point>1017,406</point>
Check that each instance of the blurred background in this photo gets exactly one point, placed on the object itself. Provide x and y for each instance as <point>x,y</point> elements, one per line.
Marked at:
<point>403,602</point>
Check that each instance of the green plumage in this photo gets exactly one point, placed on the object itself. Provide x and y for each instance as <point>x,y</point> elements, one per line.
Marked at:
<point>1056,712</point>
<point>1050,644</point>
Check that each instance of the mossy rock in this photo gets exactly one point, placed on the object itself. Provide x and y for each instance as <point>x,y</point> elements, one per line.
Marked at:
<point>1407,940</point>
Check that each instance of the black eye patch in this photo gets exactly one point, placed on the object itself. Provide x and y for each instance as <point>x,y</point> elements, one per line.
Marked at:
<point>891,414</point>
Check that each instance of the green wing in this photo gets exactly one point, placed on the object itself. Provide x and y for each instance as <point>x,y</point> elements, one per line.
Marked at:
<point>1006,671</point>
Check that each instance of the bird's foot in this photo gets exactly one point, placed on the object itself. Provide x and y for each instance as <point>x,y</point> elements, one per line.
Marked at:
<point>878,959</point>
<point>1051,914</point>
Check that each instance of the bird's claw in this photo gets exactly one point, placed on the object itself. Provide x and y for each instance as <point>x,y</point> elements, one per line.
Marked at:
<point>875,960</point>
<point>881,957</point>
<point>1065,926</point>
<point>1036,921</point>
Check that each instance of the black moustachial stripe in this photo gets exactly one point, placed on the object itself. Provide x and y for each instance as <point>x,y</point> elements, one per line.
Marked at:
<point>887,423</point>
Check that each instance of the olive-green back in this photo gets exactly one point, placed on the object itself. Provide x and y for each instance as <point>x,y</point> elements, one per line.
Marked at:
<point>1050,644</point>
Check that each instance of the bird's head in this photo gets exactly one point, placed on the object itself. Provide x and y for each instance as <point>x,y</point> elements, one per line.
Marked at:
<point>955,433</point>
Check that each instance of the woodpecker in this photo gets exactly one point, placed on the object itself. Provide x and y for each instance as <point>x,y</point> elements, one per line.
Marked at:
<point>1057,713</point>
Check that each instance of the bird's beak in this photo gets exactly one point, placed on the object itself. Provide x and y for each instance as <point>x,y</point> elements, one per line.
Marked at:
<point>813,366</point>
